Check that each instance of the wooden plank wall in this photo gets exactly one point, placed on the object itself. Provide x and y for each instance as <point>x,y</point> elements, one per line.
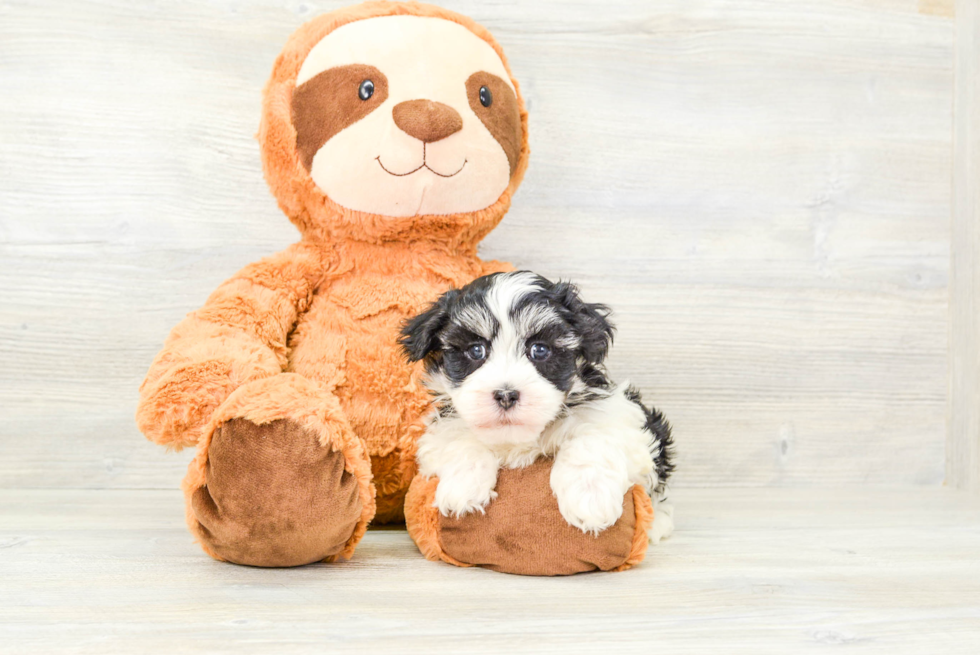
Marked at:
<point>963,450</point>
<point>761,189</point>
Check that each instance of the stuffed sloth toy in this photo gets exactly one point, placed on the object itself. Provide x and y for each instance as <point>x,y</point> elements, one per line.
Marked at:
<point>393,136</point>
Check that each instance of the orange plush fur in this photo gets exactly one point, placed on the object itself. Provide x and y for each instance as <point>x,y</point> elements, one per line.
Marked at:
<point>309,334</point>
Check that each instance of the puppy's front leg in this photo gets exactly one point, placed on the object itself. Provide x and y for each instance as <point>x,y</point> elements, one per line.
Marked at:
<point>467,472</point>
<point>590,477</point>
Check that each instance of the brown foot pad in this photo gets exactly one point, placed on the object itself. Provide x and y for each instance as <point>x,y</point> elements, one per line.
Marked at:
<point>522,530</point>
<point>274,496</point>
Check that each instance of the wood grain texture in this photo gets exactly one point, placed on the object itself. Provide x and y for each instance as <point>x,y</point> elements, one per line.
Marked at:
<point>963,446</point>
<point>748,571</point>
<point>760,189</point>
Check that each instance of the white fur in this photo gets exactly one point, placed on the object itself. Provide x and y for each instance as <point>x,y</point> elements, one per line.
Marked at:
<point>600,450</point>
<point>663,523</point>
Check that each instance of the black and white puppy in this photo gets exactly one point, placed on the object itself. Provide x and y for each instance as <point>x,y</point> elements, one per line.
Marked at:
<point>515,363</point>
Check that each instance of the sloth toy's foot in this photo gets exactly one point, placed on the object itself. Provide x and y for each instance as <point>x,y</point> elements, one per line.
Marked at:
<point>274,496</point>
<point>523,531</point>
<point>279,492</point>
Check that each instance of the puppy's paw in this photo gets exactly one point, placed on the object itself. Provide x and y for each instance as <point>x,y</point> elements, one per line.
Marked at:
<point>461,494</point>
<point>589,498</point>
<point>663,523</point>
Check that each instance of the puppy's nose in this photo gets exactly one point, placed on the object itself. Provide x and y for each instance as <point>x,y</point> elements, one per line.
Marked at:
<point>506,398</point>
<point>426,120</point>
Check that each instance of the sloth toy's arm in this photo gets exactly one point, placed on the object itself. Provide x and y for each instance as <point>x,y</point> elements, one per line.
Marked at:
<point>238,336</point>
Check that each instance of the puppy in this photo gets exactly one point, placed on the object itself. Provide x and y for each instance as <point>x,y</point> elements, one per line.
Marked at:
<point>515,363</point>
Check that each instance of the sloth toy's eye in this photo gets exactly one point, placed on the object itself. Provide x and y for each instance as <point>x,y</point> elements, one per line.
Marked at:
<point>366,90</point>
<point>486,98</point>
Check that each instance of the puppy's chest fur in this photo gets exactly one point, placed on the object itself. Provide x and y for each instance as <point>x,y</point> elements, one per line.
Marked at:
<point>548,443</point>
<point>523,455</point>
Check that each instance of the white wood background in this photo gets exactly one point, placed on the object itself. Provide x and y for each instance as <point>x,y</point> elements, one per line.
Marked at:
<point>761,189</point>
<point>963,438</point>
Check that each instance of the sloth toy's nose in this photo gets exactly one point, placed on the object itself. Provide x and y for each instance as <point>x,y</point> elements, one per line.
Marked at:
<point>426,120</point>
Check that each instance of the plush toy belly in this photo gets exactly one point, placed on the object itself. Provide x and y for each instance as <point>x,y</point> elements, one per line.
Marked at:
<point>347,344</point>
<point>522,530</point>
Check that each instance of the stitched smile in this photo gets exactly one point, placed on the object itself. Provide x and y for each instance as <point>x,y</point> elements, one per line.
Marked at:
<point>416,170</point>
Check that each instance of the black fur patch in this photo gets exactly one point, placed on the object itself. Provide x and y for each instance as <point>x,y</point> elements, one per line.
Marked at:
<point>446,410</point>
<point>590,321</point>
<point>559,369</point>
<point>593,376</point>
<point>420,335</point>
<point>658,426</point>
<point>454,341</point>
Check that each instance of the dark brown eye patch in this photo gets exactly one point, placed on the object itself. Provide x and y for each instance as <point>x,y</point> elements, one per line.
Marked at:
<point>493,101</point>
<point>332,100</point>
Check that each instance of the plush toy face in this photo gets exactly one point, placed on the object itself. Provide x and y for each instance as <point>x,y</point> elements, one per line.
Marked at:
<point>407,115</point>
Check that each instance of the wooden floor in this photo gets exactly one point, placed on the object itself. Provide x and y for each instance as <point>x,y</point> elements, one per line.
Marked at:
<point>753,571</point>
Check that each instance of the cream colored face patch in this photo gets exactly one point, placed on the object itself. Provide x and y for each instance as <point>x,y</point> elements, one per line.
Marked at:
<point>438,131</point>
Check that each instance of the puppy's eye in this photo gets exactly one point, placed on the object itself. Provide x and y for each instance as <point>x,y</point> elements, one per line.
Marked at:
<point>539,352</point>
<point>486,98</point>
<point>477,352</point>
<point>366,90</point>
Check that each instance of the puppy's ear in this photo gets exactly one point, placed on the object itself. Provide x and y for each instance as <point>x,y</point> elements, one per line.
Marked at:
<point>420,335</point>
<point>589,320</point>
